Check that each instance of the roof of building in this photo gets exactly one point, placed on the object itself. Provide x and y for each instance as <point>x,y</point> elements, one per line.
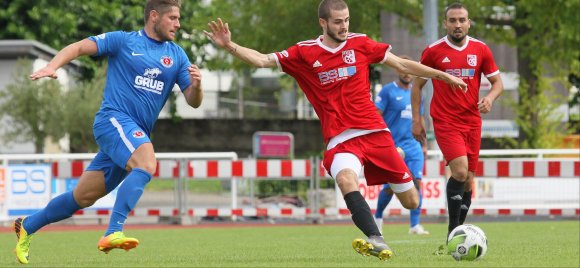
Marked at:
<point>12,49</point>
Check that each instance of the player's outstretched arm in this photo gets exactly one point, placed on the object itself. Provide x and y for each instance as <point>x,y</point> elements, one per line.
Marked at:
<point>220,35</point>
<point>66,55</point>
<point>194,93</point>
<point>418,69</point>
<point>418,127</point>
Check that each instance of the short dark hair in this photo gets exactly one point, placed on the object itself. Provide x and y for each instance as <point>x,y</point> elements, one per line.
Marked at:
<point>160,6</point>
<point>456,5</point>
<point>327,5</point>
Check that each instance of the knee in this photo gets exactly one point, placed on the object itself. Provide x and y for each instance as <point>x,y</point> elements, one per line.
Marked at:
<point>148,166</point>
<point>345,181</point>
<point>410,200</point>
<point>411,204</point>
<point>86,199</point>
<point>460,174</point>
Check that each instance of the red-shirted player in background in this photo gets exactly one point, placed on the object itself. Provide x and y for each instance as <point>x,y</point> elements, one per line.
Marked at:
<point>332,70</point>
<point>456,114</point>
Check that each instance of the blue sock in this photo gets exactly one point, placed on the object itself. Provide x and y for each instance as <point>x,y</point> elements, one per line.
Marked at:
<point>416,213</point>
<point>382,202</point>
<point>127,196</point>
<point>59,208</point>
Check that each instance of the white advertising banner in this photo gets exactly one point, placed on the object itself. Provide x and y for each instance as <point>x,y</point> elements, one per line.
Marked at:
<point>27,188</point>
<point>490,193</point>
<point>433,195</point>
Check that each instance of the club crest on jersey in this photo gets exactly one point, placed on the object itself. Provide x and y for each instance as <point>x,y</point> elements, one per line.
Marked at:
<point>348,56</point>
<point>138,134</point>
<point>166,61</point>
<point>472,60</point>
<point>152,73</point>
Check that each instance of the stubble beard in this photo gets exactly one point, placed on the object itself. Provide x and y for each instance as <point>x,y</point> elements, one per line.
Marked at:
<point>159,32</point>
<point>334,36</point>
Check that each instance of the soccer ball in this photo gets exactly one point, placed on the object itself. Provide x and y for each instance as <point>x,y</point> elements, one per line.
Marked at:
<point>467,242</point>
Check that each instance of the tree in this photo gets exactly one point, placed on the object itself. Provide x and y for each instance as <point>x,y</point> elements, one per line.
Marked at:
<point>32,109</point>
<point>59,23</point>
<point>80,105</point>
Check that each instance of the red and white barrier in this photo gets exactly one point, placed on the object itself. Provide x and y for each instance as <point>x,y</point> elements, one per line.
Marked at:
<point>298,212</point>
<point>499,168</point>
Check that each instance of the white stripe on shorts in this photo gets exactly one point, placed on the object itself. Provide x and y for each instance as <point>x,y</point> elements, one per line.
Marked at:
<point>122,134</point>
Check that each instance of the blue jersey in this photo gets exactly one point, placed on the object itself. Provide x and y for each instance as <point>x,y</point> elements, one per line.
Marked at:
<point>395,104</point>
<point>141,75</point>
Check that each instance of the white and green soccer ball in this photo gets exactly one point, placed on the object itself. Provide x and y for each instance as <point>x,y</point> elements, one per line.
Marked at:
<point>467,243</point>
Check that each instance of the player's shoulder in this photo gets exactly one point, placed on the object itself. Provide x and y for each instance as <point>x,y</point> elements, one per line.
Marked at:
<point>476,42</point>
<point>438,43</point>
<point>356,36</point>
<point>389,87</point>
<point>308,43</point>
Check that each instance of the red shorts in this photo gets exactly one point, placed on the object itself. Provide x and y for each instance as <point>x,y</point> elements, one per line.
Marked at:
<point>455,142</point>
<point>378,154</point>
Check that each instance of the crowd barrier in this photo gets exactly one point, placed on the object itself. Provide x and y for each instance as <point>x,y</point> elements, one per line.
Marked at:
<point>530,170</point>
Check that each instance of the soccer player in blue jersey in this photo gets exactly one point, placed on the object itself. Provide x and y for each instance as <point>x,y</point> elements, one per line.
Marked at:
<point>394,105</point>
<point>143,67</point>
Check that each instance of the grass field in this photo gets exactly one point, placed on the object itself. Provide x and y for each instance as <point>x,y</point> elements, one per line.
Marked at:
<point>511,244</point>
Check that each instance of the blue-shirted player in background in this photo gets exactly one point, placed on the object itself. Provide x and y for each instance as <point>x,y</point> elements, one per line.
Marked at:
<point>394,104</point>
<point>143,67</point>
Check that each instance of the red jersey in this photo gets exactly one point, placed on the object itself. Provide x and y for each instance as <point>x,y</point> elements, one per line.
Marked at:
<point>336,81</point>
<point>468,63</point>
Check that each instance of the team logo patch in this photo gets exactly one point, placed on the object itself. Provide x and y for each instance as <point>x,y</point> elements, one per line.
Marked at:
<point>101,36</point>
<point>138,134</point>
<point>472,60</point>
<point>166,61</point>
<point>284,54</point>
<point>348,56</point>
<point>152,73</point>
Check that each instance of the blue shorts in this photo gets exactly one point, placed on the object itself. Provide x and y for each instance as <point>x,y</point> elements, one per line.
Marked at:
<point>117,136</point>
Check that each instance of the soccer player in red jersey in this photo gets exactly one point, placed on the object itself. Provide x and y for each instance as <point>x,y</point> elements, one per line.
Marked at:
<point>456,114</point>
<point>332,71</point>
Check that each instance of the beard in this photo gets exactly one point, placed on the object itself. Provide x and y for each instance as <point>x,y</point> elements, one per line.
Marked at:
<point>404,82</point>
<point>457,39</point>
<point>334,36</point>
<point>159,32</point>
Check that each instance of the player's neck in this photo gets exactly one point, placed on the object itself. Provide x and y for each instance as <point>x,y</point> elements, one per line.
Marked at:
<point>151,33</point>
<point>460,44</point>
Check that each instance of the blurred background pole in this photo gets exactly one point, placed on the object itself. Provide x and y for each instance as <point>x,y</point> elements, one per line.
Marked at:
<point>430,26</point>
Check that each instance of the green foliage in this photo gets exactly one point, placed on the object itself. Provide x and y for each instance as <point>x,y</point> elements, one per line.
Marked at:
<point>32,109</point>
<point>59,23</point>
<point>80,105</point>
<point>547,133</point>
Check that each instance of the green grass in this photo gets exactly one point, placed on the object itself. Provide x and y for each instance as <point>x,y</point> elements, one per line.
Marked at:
<point>511,244</point>
<point>193,186</point>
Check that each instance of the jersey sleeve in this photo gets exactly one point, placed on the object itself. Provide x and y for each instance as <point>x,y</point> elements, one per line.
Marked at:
<point>290,60</point>
<point>426,58</point>
<point>382,100</point>
<point>183,80</point>
<point>376,52</point>
<point>489,68</point>
<point>109,43</point>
